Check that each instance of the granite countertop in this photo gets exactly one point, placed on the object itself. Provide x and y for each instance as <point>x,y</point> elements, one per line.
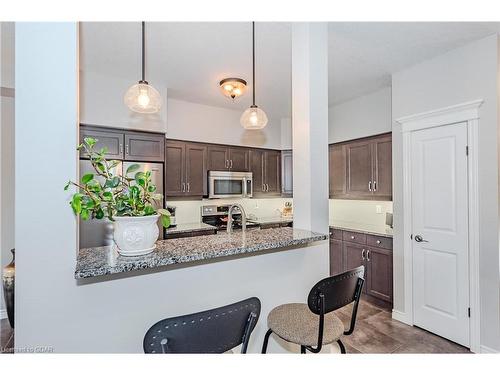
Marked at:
<point>270,219</point>
<point>99,261</point>
<point>189,227</point>
<point>377,230</point>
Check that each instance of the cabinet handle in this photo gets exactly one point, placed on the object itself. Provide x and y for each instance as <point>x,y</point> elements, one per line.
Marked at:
<point>231,164</point>
<point>126,148</point>
<point>374,185</point>
<point>368,255</point>
<point>363,254</point>
<point>263,187</point>
<point>121,148</point>
<point>188,187</point>
<point>370,186</point>
<point>267,187</point>
<point>183,187</point>
<point>378,242</point>
<point>226,164</point>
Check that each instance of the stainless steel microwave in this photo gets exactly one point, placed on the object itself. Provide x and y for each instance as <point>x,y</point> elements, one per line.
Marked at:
<point>224,184</point>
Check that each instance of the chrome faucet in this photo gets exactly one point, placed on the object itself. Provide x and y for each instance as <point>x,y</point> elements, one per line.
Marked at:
<point>230,218</point>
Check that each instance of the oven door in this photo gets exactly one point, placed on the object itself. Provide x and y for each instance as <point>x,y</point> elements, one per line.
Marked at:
<point>226,187</point>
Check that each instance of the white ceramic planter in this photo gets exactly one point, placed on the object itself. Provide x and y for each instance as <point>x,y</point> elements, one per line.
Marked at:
<point>135,235</point>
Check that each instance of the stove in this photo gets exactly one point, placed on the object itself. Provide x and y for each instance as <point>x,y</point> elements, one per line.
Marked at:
<point>217,215</point>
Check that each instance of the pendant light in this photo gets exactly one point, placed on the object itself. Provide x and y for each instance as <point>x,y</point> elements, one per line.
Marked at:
<point>142,97</point>
<point>253,117</point>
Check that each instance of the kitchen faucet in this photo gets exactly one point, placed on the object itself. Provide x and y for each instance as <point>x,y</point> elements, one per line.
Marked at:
<point>230,218</point>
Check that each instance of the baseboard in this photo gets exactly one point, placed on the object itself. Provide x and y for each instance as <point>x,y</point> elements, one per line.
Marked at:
<point>401,317</point>
<point>487,350</point>
<point>3,314</point>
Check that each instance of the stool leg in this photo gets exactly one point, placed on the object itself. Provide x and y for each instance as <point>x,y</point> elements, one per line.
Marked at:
<point>341,346</point>
<point>302,349</point>
<point>266,340</point>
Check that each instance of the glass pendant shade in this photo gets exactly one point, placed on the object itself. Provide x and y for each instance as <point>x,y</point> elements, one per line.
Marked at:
<point>143,98</point>
<point>253,118</point>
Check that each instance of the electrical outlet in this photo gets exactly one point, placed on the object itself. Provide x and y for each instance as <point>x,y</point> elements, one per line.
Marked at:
<point>378,209</point>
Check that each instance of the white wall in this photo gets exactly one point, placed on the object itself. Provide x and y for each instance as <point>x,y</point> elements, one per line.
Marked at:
<point>203,123</point>
<point>7,187</point>
<point>361,117</point>
<point>462,75</point>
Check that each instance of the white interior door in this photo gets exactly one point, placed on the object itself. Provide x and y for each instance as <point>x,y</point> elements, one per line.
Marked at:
<point>440,231</point>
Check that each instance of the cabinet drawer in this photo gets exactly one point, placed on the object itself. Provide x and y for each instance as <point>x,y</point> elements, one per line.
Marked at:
<point>335,234</point>
<point>379,241</point>
<point>354,237</point>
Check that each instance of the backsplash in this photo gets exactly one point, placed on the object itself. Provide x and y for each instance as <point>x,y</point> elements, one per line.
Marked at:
<point>189,211</point>
<point>357,211</point>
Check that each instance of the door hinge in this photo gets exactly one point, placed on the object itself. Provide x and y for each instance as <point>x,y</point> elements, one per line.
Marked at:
<point>467,150</point>
<point>468,312</point>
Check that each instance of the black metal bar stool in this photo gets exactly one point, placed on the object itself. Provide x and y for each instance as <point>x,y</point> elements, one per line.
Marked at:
<point>212,331</point>
<point>315,323</point>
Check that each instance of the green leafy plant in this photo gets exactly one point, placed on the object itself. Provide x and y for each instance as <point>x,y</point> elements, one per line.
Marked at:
<point>106,194</point>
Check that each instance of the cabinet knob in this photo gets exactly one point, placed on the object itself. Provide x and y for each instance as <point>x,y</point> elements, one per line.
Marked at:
<point>352,237</point>
<point>378,242</point>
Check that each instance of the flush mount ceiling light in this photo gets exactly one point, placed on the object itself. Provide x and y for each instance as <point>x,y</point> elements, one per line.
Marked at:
<point>253,117</point>
<point>142,97</point>
<point>233,87</point>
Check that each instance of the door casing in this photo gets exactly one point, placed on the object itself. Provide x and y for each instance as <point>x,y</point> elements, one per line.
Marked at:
<point>469,113</point>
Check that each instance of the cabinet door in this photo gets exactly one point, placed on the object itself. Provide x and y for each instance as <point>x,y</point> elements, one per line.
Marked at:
<point>238,159</point>
<point>359,168</point>
<point>337,171</point>
<point>272,172</point>
<point>218,158</point>
<point>382,167</point>
<point>144,147</point>
<point>354,256</point>
<point>196,169</point>
<point>336,261</point>
<point>287,173</point>
<point>175,154</point>
<point>379,280</point>
<point>257,169</point>
<point>113,141</point>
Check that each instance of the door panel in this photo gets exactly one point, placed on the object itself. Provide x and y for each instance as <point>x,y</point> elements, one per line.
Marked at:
<point>382,167</point>
<point>257,169</point>
<point>336,263</point>
<point>175,168</point>
<point>113,141</point>
<point>379,263</point>
<point>337,171</point>
<point>217,158</point>
<point>140,147</point>
<point>359,168</point>
<point>239,159</point>
<point>287,173</point>
<point>272,172</point>
<point>196,169</point>
<point>439,216</point>
<point>354,256</point>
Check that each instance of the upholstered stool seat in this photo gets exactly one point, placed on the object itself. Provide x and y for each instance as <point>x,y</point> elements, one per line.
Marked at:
<point>295,322</point>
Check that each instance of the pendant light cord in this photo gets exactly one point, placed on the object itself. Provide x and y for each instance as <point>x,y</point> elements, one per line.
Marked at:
<point>143,51</point>
<point>253,60</point>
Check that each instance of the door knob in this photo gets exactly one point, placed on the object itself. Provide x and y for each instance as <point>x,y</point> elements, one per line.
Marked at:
<point>419,238</point>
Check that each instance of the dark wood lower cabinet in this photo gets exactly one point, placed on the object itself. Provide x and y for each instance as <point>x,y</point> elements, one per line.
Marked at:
<point>350,249</point>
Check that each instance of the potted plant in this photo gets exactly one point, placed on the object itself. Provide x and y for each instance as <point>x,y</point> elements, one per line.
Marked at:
<point>126,200</point>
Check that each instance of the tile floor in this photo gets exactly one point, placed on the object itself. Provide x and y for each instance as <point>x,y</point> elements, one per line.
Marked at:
<point>6,337</point>
<point>376,332</point>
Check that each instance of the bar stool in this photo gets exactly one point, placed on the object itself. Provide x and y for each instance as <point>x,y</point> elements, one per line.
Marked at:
<point>315,323</point>
<point>212,331</point>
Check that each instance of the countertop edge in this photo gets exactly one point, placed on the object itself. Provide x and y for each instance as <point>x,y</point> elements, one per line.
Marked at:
<point>364,231</point>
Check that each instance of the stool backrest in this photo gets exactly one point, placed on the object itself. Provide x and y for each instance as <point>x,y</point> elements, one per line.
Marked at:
<point>212,331</point>
<point>338,290</point>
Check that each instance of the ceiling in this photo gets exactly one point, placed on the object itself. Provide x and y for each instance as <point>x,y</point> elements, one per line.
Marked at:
<point>191,58</point>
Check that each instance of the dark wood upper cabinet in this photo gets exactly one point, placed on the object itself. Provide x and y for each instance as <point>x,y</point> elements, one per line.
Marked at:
<point>196,169</point>
<point>361,169</point>
<point>112,140</point>
<point>257,169</point>
<point>272,172</point>
<point>175,156</point>
<point>379,264</point>
<point>239,159</point>
<point>144,147</point>
<point>287,173</point>
<point>185,169</point>
<point>382,167</point>
<point>218,158</point>
<point>337,170</point>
